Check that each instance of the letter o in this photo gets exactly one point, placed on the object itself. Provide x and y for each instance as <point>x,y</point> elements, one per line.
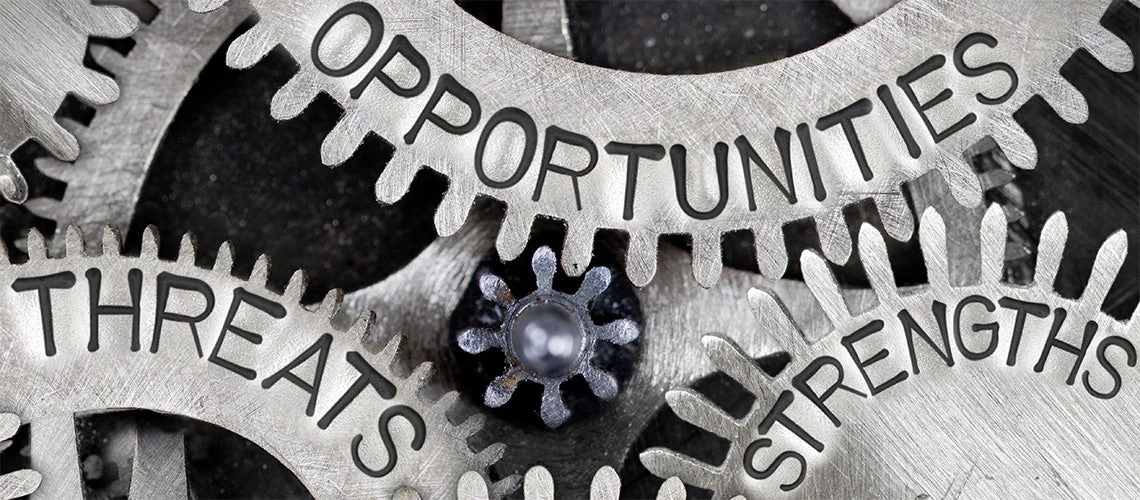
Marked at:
<point>526,123</point>
<point>376,28</point>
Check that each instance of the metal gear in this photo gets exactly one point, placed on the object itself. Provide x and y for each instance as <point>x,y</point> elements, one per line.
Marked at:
<point>548,337</point>
<point>421,296</point>
<point>993,56</point>
<point>1027,400</point>
<point>22,482</point>
<point>119,144</point>
<point>232,378</point>
<point>42,43</point>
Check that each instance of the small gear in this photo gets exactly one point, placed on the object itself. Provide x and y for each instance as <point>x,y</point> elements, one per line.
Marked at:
<point>1007,389</point>
<point>33,87</point>
<point>22,482</point>
<point>548,337</point>
<point>903,95</point>
<point>272,371</point>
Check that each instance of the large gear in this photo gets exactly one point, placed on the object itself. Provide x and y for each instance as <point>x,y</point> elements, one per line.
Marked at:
<point>227,368</point>
<point>42,43</point>
<point>1032,398</point>
<point>886,114</point>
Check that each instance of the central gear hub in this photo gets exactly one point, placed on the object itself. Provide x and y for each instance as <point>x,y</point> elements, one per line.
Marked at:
<point>547,338</point>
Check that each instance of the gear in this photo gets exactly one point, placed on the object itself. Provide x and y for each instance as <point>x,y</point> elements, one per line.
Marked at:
<point>119,144</point>
<point>548,337</point>
<point>22,482</point>
<point>539,485</point>
<point>887,114</point>
<point>269,369</point>
<point>33,87</point>
<point>1028,399</point>
<point>423,295</point>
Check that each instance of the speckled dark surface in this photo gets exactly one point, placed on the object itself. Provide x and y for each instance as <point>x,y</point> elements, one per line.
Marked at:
<point>229,171</point>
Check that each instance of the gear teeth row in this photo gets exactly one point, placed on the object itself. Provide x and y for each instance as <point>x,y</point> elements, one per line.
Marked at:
<point>538,484</point>
<point>361,330</point>
<point>28,107</point>
<point>103,185</point>
<point>371,112</point>
<point>730,359</point>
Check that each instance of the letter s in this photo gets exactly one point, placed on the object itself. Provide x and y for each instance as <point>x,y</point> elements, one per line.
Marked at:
<point>759,444</point>
<point>418,426</point>
<point>960,64</point>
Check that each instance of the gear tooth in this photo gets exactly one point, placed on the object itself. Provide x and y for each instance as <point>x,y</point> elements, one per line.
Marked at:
<point>1066,100</point>
<point>109,59</point>
<point>768,310</point>
<point>293,97</point>
<point>491,454</point>
<point>187,249</point>
<point>36,246</point>
<point>343,140</point>
<point>112,240</point>
<point>206,5</point>
<point>330,305</point>
<point>260,274</point>
<point>1106,267</point>
<point>396,178</point>
<point>109,21</point>
<point>641,258</point>
<point>821,281</point>
<point>593,284</point>
<point>543,263</point>
<point>420,374</point>
<point>224,262</point>
<point>56,139</point>
<point>79,130</point>
<point>606,484</point>
<point>834,237</point>
<point>394,346</point>
<point>771,254</point>
<point>150,241</point>
<point>1109,50</point>
<point>873,254</point>
<point>472,486</point>
<point>538,484</point>
<point>696,409</point>
<point>602,384</point>
<point>47,208</point>
<point>1017,146</point>
<point>993,237</point>
<point>58,170</point>
<point>664,462</point>
<point>73,242</point>
<point>962,182</point>
<point>671,489</point>
<point>362,326</point>
<point>578,248</point>
<point>447,402</point>
<point>1050,249</point>
<point>513,234</point>
<point>453,210</point>
<point>470,426</point>
<point>96,88</point>
<point>554,411</point>
<point>896,216</point>
<point>246,50</point>
<point>932,239</point>
<point>707,262</point>
<point>12,183</point>
<point>730,359</point>
<point>295,289</point>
